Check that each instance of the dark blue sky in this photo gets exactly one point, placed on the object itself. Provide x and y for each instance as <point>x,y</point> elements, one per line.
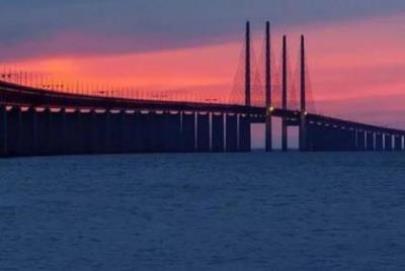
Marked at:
<point>176,23</point>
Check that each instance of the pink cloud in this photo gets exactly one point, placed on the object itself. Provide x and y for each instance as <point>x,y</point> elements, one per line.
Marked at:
<point>348,61</point>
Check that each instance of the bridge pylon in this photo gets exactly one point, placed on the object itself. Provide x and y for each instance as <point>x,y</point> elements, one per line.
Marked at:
<point>303,109</point>
<point>247,66</point>
<point>268,91</point>
<point>284,128</point>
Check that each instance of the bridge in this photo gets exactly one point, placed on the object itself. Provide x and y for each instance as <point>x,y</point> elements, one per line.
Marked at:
<point>43,121</point>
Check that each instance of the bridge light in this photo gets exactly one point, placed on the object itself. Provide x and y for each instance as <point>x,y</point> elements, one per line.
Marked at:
<point>271,109</point>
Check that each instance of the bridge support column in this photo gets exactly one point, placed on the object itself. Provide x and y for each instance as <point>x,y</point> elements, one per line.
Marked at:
<point>231,133</point>
<point>145,122</point>
<point>398,143</point>
<point>303,133</point>
<point>3,131</point>
<point>361,140</point>
<point>172,131</point>
<point>127,131</point>
<point>379,145</point>
<point>115,132</point>
<point>57,130</point>
<point>42,131</point>
<point>26,132</point>
<point>188,135</point>
<point>87,129</point>
<point>218,132</point>
<point>13,125</point>
<point>402,142</point>
<point>224,121</point>
<point>245,133</point>
<point>196,131</point>
<point>20,135</point>
<point>238,132</point>
<point>369,141</point>
<point>269,130</point>
<point>203,132</point>
<point>210,133</point>
<point>388,142</point>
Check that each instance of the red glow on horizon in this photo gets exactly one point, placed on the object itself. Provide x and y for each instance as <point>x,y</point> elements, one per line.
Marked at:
<point>347,61</point>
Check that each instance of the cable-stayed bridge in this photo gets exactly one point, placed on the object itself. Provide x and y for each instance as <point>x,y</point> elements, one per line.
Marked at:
<point>45,120</point>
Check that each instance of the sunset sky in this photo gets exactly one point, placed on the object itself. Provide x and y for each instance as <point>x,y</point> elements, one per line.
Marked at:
<point>356,48</point>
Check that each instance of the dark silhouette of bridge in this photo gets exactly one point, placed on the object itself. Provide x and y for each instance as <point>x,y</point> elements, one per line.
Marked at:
<point>43,121</point>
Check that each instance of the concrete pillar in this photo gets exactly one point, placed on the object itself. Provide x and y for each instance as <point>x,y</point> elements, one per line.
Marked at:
<point>203,133</point>
<point>210,132</point>
<point>379,145</point>
<point>231,133</point>
<point>196,131</point>
<point>26,136</point>
<point>361,140</point>
<point>245,134</point>
<point>218,132</point>
<point>13,116</point>
<point>172,131</point>
<point>189,129</point>
<point>369,141</point>
<point>3,131</point>
<point>388,142</point>
<point>42,131</point>
<point>398,143</point>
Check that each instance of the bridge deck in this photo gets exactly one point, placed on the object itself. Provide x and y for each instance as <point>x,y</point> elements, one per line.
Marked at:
<point>203,131</point>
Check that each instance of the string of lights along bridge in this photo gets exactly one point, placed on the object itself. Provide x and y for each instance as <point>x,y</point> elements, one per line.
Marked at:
<point>45,117</point>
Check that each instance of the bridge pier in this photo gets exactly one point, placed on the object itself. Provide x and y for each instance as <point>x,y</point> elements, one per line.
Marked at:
<point>159,138</point>
<point>218,132</point>
<point>42,130</point>
<point>148,131</point>
<point>231,133</point>
<point>388,142</point>
<point>26,132</point>
<point>172,131</point>
<point>94,138</point>
<point>244,133</point>
<point>55,127</point>
<point>397,143</point>
<point>128,131</point>
<point>361,140</point>
<point>203,136</point>
<point>3,131</point>
<point>369,141</point>
<point>379,144</point>
<point>115,132</point>
<point>13,125</point>
<point>189,132</point>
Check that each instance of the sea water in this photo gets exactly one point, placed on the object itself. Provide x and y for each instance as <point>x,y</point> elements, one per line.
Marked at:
<point>253,211</point>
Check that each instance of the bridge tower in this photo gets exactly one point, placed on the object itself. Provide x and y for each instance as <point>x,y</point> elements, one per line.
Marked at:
<point>247,66</point>
<point>303,109</point>
<point>284,128</point>
<point>268,90</point>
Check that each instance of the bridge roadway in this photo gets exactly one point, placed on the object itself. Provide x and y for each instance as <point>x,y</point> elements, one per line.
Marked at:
<point>43,122</point>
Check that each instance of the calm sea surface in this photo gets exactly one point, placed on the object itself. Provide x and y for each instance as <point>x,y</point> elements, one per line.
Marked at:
<point>204,212</point>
